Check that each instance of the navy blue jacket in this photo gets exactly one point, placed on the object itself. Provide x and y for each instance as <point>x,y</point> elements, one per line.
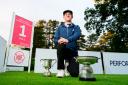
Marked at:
<point>72,33</point>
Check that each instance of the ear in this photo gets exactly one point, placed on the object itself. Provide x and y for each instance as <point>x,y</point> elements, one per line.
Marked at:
<point>72,16</point>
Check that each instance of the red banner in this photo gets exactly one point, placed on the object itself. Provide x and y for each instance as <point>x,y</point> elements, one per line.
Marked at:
<point>22,32</point>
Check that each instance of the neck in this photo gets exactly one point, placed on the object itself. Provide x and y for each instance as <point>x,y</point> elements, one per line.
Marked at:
<point>68,22</point>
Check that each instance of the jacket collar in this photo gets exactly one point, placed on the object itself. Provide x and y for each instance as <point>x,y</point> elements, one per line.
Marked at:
<point>63,25</point>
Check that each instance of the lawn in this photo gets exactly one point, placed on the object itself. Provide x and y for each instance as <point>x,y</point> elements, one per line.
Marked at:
<point>24,78</point>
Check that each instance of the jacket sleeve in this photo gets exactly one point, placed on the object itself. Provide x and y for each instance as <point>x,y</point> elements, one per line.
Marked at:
<point>76,35</point>
<point>56,36</point>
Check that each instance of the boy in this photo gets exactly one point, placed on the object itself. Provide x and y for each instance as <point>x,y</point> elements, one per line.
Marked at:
<point>65,39</point>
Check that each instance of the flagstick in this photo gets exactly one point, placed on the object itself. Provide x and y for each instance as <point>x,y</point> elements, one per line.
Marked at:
<point>9,41</point>
<point>30,56</point>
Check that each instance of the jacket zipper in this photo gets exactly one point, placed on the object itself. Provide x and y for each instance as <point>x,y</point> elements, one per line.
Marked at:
<point>67,31</point>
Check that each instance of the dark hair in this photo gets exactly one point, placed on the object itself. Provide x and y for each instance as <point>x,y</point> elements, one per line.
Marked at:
<point>67,11</point>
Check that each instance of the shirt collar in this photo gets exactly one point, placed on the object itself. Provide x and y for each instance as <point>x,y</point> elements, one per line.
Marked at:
<point>68,25</point>
<point>65,25</point>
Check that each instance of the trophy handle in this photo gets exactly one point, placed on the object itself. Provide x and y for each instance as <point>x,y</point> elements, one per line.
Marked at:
<point>76,59</point>
<point>41,60</point>
<point>54,63</point>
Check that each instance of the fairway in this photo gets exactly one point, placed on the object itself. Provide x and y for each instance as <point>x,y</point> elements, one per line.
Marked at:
<point>24,78</point>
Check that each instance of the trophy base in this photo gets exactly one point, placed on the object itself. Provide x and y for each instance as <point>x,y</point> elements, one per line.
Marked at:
<point>47,74</point>
<point>87,79</point>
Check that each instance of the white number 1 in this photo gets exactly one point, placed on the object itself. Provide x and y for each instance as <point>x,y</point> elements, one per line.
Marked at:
<point>22,34</point>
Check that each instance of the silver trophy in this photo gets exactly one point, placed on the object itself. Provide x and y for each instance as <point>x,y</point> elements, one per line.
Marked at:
<point>47,64</point>
<point>86,72</point>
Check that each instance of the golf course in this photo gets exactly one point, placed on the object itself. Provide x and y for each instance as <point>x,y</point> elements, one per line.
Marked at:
<point>24,78</point>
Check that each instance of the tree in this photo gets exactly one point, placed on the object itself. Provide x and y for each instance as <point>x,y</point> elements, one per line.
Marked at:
<point>39,39</point>
<point>91,42</point>
<point>105,40</point>
<point>110,15</point>
<point>81,42</point>
<point>50,31</point>
<point>43,34</point>
<point>91,39</point>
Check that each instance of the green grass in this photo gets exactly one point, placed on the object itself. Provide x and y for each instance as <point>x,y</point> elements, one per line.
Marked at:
<point>24,78</point>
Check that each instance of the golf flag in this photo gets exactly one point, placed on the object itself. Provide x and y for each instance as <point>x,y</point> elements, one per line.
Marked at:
<point>22,32</point>
<point>21,36</point>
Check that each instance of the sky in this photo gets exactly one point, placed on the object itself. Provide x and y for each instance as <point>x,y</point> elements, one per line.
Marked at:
<point>35,10</point>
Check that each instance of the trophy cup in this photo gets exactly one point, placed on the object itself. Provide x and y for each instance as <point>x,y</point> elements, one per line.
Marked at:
<point>86,72</point>
<point>47,64</point>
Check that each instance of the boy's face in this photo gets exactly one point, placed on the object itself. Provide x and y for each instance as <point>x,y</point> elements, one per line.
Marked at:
<point>68,17</point>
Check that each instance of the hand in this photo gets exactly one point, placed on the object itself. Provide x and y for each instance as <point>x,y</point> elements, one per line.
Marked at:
<point>62,41</point>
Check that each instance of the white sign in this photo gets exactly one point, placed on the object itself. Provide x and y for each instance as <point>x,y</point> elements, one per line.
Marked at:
<point>115,63</point>
<point>44,54</point>
<point>18,57</point>
<point>3,45</point>
<point>51,54</point>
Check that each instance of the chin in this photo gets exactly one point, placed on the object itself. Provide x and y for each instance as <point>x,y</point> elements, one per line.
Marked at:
<point>68,20</point>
